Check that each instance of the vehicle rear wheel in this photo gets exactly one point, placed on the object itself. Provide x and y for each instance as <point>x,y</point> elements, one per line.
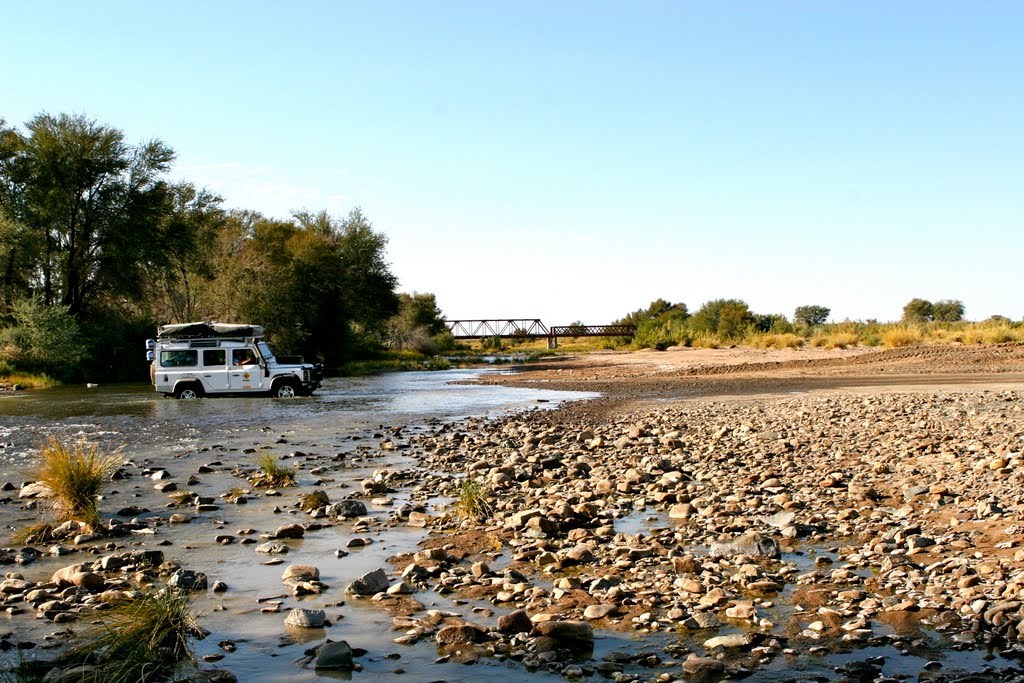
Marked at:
<point>187,392</point>
<point>285,390</point>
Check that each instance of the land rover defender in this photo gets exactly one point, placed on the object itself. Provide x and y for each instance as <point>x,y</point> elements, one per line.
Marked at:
<point>192,360</point>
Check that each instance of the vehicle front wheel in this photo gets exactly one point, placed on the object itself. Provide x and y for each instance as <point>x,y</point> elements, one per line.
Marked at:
<point>186,392</point>
<point>285,390</point>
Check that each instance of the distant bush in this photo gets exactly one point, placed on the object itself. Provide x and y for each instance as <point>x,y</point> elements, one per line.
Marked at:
<point>902,335</point>
<point>774,340</point>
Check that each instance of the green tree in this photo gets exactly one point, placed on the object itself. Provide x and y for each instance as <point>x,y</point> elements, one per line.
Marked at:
<point>659,309</point>
<point>771,322</point>
<point>726,317</point>
<point>418,324</point>
<point>189,231</point>
<point>918,311</point>
<point>91,200</point>
<point>320,285</point>
<point>811,315</point>
<point>18,250</point>
<point>42,338</point>
<point>948,311</point>
<point>421,311</point>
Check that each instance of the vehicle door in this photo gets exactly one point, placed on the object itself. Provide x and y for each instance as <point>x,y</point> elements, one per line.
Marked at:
<point>175,365</point>
<point>245,374</point>
<point>215,370</point>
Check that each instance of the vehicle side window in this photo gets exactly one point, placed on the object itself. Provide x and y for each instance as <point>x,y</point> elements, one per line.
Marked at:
<point>214,357</point>
<point>243,357</point>
<point>179,359</point>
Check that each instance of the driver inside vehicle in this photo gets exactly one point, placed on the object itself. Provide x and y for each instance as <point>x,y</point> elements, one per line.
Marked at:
<point>243,357</point>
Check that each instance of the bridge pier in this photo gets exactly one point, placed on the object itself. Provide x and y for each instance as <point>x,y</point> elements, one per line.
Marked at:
<point>552,342</point>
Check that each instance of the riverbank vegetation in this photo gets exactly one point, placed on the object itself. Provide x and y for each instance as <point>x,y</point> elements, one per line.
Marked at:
<point>730,322</point>
<point>99,245</point>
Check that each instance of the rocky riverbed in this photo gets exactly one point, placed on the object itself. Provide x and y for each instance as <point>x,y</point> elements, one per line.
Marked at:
<point>838,536</point>
<point>807,525</point>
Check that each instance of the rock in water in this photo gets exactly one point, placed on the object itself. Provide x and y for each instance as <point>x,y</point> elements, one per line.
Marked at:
<point>752,544</point>
<point>306,618</point>
<point>575,632</point>
<point>334,655</point>
<point>369,584</point>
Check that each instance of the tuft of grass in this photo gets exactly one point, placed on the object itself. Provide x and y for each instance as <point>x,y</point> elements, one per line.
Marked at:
<point>705,340</point>
<point>235,494</point>
<point>184,498</point>
<point>75,475</point>
<point>42,532</point>
<point>272,473</point>
<point>471,501</point>
<point>774,340</point>
<point>841,340</point>
<point>141,639</point>
<point>901,335</point>
<point>314,500</point>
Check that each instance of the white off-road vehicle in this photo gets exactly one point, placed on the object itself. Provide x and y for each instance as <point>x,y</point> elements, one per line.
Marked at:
<point>192,360</point>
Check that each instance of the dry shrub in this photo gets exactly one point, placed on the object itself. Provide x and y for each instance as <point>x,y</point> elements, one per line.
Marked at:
<point>775,340</point>
<point>75,475</point>
<point>841,340</point>
<point>901,335</point>
<point>705,340</point>
<point>140,639</point>
<point>272,473</point>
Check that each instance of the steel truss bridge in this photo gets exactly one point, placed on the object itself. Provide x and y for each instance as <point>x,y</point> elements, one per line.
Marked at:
<point>532,328</point>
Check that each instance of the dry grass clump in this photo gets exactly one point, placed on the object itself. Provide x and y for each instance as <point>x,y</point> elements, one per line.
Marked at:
<point>75,475</point>
<point>774,340</point>
<point>141,639</point>
<point>1001,334</point>
<point>901,335</point>
<point>272,473</point>
<point>41,532</point>
<point>471,501</point>
<point>841,340</point>
<point>184,498</point>
<point>705,340</point>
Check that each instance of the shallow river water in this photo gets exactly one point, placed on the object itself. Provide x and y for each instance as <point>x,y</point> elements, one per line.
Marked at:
<point>346,417</point>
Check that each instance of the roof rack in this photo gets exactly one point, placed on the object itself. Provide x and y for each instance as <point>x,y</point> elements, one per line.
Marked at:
<point>207,330</point>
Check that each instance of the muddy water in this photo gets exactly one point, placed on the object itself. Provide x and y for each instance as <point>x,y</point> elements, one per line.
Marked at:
<point>345,418</point>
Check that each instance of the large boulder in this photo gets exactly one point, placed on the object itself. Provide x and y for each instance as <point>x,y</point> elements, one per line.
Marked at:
<point>188,580</point>
<point>346,509</point>
<point>333,655</point>
<point>515,622</point>
<point>300,572</point>
<point>306,618</point>
<point>460,634</point>
<point>568,632</point>
<point>369,584</point>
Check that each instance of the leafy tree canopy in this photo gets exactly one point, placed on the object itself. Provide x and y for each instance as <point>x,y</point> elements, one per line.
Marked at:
<point>726,317</point>
<point>811,315</point>
<point>918,311</point>
<point>948,311</point>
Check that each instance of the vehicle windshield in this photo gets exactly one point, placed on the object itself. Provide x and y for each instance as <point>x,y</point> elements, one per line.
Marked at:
<point>265,351</point>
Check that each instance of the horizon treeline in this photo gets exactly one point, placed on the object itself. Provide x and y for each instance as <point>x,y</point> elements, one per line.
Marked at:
<point>730,321</point>
<point>99,246</point>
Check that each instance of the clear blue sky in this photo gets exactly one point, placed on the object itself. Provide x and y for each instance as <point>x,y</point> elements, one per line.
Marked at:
<point>576,160</point>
